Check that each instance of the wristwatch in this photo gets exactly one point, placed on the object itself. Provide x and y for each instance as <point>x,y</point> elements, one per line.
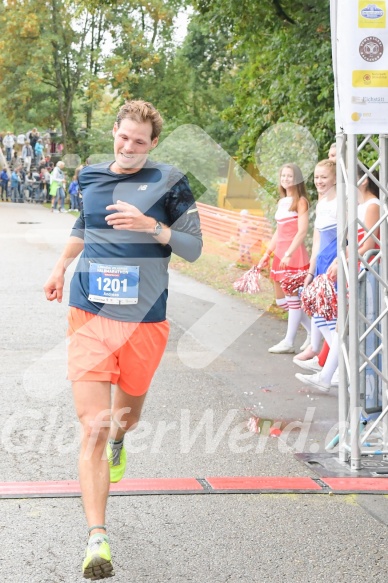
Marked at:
<point>158,229</point>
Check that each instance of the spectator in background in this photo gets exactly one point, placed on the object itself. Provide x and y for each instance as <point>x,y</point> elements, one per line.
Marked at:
<point>3,162</point>
<point>244,237</point>
<point>34,136</point>
<point>53,136</point>
<point>57,187</point>
<point>46,143</point>
<point>78,170</point>
<point>46,179</point>
<point>9,142</point>
<point>29,185</point>
<point>46,163</point>
<point>38,151</point>
<point>20,140</point>
<point>27,154</point>
<point>23,176</point>
<point>16,160</point>
<point>73,192</point>
<point>15,181</point>
<point>4,177</point>
<point>332,155</point>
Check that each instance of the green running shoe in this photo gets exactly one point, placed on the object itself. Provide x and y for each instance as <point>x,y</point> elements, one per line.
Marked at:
<point>117,458</point>
<point>97,563</point>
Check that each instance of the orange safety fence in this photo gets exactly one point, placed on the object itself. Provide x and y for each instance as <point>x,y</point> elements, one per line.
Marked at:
<point>228,227</point>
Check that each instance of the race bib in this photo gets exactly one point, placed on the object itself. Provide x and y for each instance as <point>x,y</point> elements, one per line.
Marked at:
<point>113,284</point>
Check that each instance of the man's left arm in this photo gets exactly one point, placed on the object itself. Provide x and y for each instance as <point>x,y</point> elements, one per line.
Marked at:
<point>185,238</point>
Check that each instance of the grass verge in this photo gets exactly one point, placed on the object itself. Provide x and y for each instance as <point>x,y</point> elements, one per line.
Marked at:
<point>218,267</point>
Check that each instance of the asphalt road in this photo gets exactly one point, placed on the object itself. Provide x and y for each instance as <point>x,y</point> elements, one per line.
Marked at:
<point>216,374</point>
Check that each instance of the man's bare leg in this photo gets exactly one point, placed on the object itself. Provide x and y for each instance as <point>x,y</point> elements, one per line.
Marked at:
<point>126,412</point>
<point>92,402</point>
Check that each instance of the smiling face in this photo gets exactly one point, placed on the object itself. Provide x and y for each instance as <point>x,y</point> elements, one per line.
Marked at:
<point>287,178</point>
<point>324,179</point>
<point>132,142</point>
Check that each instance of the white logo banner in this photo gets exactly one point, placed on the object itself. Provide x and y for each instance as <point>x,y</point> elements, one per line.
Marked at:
<point>360,62</point>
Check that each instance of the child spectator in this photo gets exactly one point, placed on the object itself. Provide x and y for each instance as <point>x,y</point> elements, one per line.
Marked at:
<point>74,191</point>
<point>244,237</point>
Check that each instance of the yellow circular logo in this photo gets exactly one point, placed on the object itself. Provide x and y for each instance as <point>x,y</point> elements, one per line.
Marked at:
<point>355,116</point>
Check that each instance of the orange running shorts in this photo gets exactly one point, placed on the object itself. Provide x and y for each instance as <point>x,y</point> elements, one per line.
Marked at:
<point>124,353</point>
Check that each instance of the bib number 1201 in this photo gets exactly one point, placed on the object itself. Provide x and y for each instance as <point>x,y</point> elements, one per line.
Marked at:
<point>114,285</point>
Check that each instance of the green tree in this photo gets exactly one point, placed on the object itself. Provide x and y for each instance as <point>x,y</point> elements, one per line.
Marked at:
<point>282,52</point>
<point>58,57</point>
<point>42,62</point>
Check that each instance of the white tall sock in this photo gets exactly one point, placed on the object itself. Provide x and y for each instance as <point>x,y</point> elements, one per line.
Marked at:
<point>294,317</point>
<point>283,304</point>
<point>331,361</point>
<point>324,329</point>
<point>306,322</point>
<point>316,336</point>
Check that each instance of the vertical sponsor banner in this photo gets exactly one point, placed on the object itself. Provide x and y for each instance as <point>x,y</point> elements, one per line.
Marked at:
<point>360,57</point>
<point>333,22</point>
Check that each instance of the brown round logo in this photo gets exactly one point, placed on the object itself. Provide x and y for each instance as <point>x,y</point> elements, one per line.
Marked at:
<point>371,49</point>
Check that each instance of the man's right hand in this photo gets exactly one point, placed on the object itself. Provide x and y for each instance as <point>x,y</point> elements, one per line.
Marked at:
<point>53,288</point>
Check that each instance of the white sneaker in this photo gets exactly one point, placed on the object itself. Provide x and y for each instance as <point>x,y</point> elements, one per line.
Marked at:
<point>55,211</point>
<point>314,380</point>
<point>63,211</point>
<point>282,348</point>
<point>306,343</point>
<point>311,364</point>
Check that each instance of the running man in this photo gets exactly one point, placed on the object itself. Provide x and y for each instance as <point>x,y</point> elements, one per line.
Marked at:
<point>135,213</point>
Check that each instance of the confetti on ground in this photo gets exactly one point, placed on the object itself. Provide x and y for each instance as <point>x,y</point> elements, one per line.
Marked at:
<point>253,424</point>
<point>275,432</point>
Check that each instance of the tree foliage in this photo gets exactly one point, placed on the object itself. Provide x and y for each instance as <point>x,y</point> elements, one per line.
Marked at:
<point>58,58</point>
<point>243,67</point>
<point>285,71</point>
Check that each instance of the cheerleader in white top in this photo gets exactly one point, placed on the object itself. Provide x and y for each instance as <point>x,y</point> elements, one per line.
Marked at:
<point>290,254</point>
<point>368,214</point>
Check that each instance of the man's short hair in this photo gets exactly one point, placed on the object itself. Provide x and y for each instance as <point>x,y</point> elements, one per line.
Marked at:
<point>141,111</point>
